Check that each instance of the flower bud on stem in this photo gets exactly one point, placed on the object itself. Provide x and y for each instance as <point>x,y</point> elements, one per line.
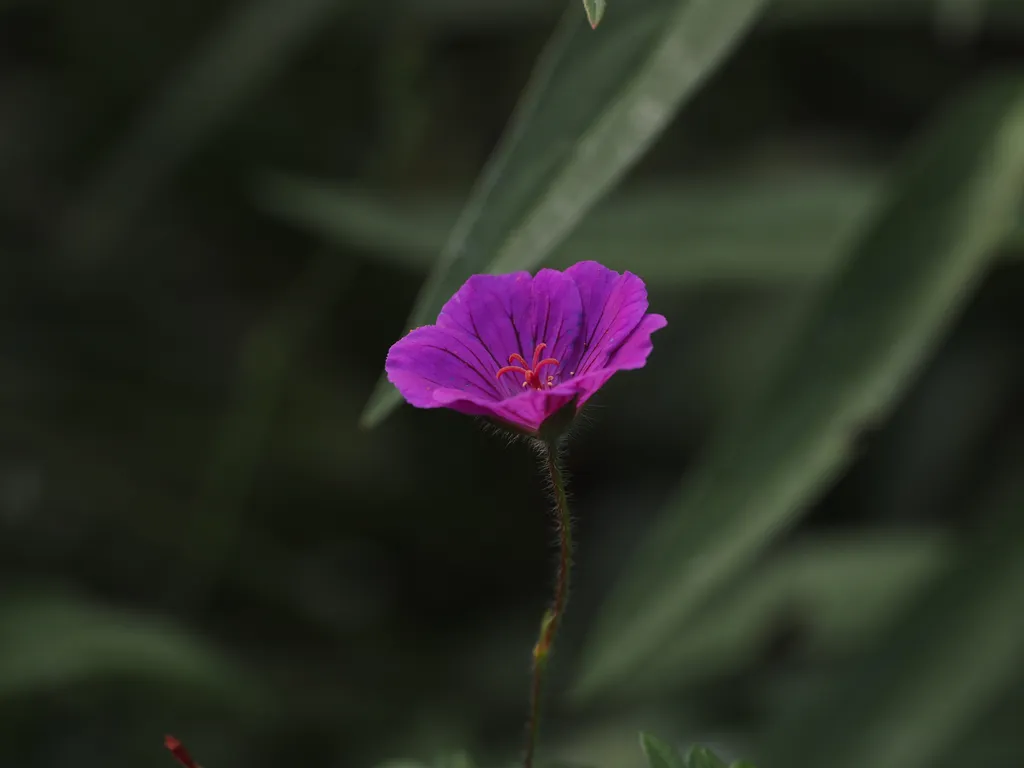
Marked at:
<point>179,752</point>
<point>553,616</point>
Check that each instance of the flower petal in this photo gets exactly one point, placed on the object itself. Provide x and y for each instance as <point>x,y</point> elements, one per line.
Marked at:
<point>482,309</point>
<point>527,410</point>
<point>556,319</point>
<point>631,354</point>
<point>432,358</point>
<point>512,314</point>
<point>613,306</point>
<point>591,320</point>
<point>637,346</point>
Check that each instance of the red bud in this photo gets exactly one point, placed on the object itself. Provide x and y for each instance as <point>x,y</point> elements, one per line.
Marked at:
<point>180,753</point>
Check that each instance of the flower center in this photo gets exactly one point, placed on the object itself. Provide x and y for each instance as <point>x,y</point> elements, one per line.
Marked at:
<point>531,373</point>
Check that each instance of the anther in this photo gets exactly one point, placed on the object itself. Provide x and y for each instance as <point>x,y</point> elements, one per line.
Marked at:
<point>531,373</point>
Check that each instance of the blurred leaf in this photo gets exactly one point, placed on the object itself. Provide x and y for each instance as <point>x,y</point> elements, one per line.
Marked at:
<point>594,104</point>
<point>995,738</point>
<point>843,588</point>
<point>747,229</point>
<point>265,569</point>
<point>226,71</point>
<point>997,13</point>
<point>938,668</point>
<point>810,11</point>
<point>595,11</point>
<point>610,739</point>
<point>52,642</point>
<point>414,229</point>
<point>458,760</point>
<point>702,757</point>
<point>757,229</point>
<point>874,326</point>
<point>267,359</point>
<point>659,754</point>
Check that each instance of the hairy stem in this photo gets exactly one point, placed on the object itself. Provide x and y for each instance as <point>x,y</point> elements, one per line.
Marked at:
<point>553,616</point>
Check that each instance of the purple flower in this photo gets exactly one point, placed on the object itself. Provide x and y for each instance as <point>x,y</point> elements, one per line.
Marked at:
<point>517,348</point>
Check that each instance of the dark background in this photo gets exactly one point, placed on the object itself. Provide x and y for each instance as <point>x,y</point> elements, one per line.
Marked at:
<point>196,536</point>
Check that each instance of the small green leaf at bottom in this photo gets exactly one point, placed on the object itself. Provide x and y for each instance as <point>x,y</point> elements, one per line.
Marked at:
<point>659,754</point>
<point>702,757</point>
<point>595,11</point>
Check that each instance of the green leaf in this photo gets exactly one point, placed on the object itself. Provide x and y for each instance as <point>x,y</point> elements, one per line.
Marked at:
<point>224,72</point>
<point>887,571</point>
<point>880,11</point>
<point>593,106</point>
<point>457,760</point>
<point>595,11</point>
<point>936,672</point>
<point>749,229</point>
<point>759,228</point>
<point>996,14</point>
<point>659,754</point>
<point>49,641</point>
<point>871,330</point>
<point>702,757</point>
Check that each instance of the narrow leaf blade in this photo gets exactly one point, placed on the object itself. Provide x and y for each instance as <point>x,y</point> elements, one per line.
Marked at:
<point>592,108</point>
<point>760,228</point>
<point>889,571</point>
<point>935,672</point>
<point>871,330</point>
<point>50,640</point>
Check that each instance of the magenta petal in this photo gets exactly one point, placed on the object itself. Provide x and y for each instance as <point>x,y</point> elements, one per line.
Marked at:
<point>556,317</point>
<point>481,310</point>
<point>630,355</point>
<point>583,324</point>
<point>431,358</point>
<point>613,305</point>
<point>637,346</point>
<point>526,411</point>
<point>512,314</point>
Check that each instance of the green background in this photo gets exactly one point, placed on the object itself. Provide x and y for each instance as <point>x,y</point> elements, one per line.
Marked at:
<point>799,527</point>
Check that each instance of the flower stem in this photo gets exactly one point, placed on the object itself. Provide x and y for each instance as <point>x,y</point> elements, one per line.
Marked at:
<point>553,616</point>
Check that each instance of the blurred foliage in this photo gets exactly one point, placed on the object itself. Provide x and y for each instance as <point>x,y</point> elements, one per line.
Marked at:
<point>661,755</point>
<point>868,331</point>
<point>589,111</point>
<point>799,526</point>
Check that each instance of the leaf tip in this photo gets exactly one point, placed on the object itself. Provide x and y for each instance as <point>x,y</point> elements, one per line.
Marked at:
<point>595,11</point>
<point>658,753</point>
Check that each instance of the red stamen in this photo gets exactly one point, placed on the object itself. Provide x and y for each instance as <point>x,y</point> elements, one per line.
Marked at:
<point>542,363</point>
<point>536,354</point>
<point>179,752</point>
<point>531,374</point>
<point>511,368</point>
